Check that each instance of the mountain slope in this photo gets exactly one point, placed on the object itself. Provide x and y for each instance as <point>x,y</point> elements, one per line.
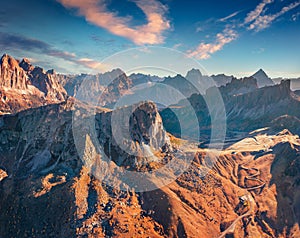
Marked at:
<point>46,179</point>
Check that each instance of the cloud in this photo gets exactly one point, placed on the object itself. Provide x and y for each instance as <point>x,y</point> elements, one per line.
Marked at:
<point>96,12</point>
<point>255,20</point>
<point>263,22</point>
<point>11,42</point>
<point>229,16</point>
<point>251,16</point>
<point>205,50</point>
<point>90,63</point>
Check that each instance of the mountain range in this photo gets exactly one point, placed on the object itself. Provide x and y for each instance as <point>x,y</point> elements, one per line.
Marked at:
<point>56,182</point>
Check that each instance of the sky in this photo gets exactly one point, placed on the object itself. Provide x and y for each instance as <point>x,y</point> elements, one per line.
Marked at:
<point>235,37</point>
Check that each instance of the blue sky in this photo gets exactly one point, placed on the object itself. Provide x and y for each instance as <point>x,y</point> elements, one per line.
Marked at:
<point>225,36</point>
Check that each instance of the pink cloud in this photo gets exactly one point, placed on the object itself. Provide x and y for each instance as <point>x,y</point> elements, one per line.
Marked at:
<point>205,50</point>
<point>92,64</point>
<point>251,16</point>
<point>96,12</point>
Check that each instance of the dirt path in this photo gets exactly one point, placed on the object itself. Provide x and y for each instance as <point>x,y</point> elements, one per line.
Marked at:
<point>249,197</point>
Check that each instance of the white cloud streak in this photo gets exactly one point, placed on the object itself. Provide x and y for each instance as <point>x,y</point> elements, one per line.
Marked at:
<point>205,50</point>
<point>251,16</point>
<point>96,12</point>
<point>265,21</point>
<point>229,16</point>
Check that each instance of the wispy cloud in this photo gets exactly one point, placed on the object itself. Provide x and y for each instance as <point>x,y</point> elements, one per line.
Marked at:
<point>254,20</point>
<point>224,19</point>
<point>11,42</point>
<point>264,21</point>
<point>90,63</point>
<point>205,50</point>
<point>251,16</point>
<point>96,12</point>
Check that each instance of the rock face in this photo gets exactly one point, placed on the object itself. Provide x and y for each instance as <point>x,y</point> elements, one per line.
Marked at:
<point>11,74</point>
<point>24,86</point>
<point>239,86</point>
<point>260,107</point>
<point>137,128</point>
<point>262,79</point>
<point>46,82</point>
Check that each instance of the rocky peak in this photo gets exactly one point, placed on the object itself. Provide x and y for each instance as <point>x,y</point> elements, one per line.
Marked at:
<point>262,79</point>
<point>222,79</point>
<point>193,73</point>
<point>48,83</point>
<point>202,83</point>
<point>146,125</point>
<point>26,65</point>
<point>239,86</point>
<point>8,61</point>
<point>137,128</point>
<point>11,74</point>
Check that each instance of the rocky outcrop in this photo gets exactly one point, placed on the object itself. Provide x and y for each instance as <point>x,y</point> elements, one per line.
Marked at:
<point>26,65</point>
<point>24,86</point>
<point>11,74</point>
<point>46,82</point>
<point>128,133</point>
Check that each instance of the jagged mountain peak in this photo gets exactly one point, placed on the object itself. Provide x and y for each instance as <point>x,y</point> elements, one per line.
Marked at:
<point>11,74</point>
<point>262,78</point>
<point>7,60</point>
<point>37,86</point>
<point>26,65</point>
<point>194,72</point>
<point>261,72</point>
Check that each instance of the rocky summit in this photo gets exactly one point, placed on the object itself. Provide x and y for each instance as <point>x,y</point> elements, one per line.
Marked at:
<point>24,86</point>
<point>73,165</point>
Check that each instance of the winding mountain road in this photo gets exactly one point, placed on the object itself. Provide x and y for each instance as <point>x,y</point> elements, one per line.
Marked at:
<point>253,178</point>
<point>249,197</point>
<point>231,228</point>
